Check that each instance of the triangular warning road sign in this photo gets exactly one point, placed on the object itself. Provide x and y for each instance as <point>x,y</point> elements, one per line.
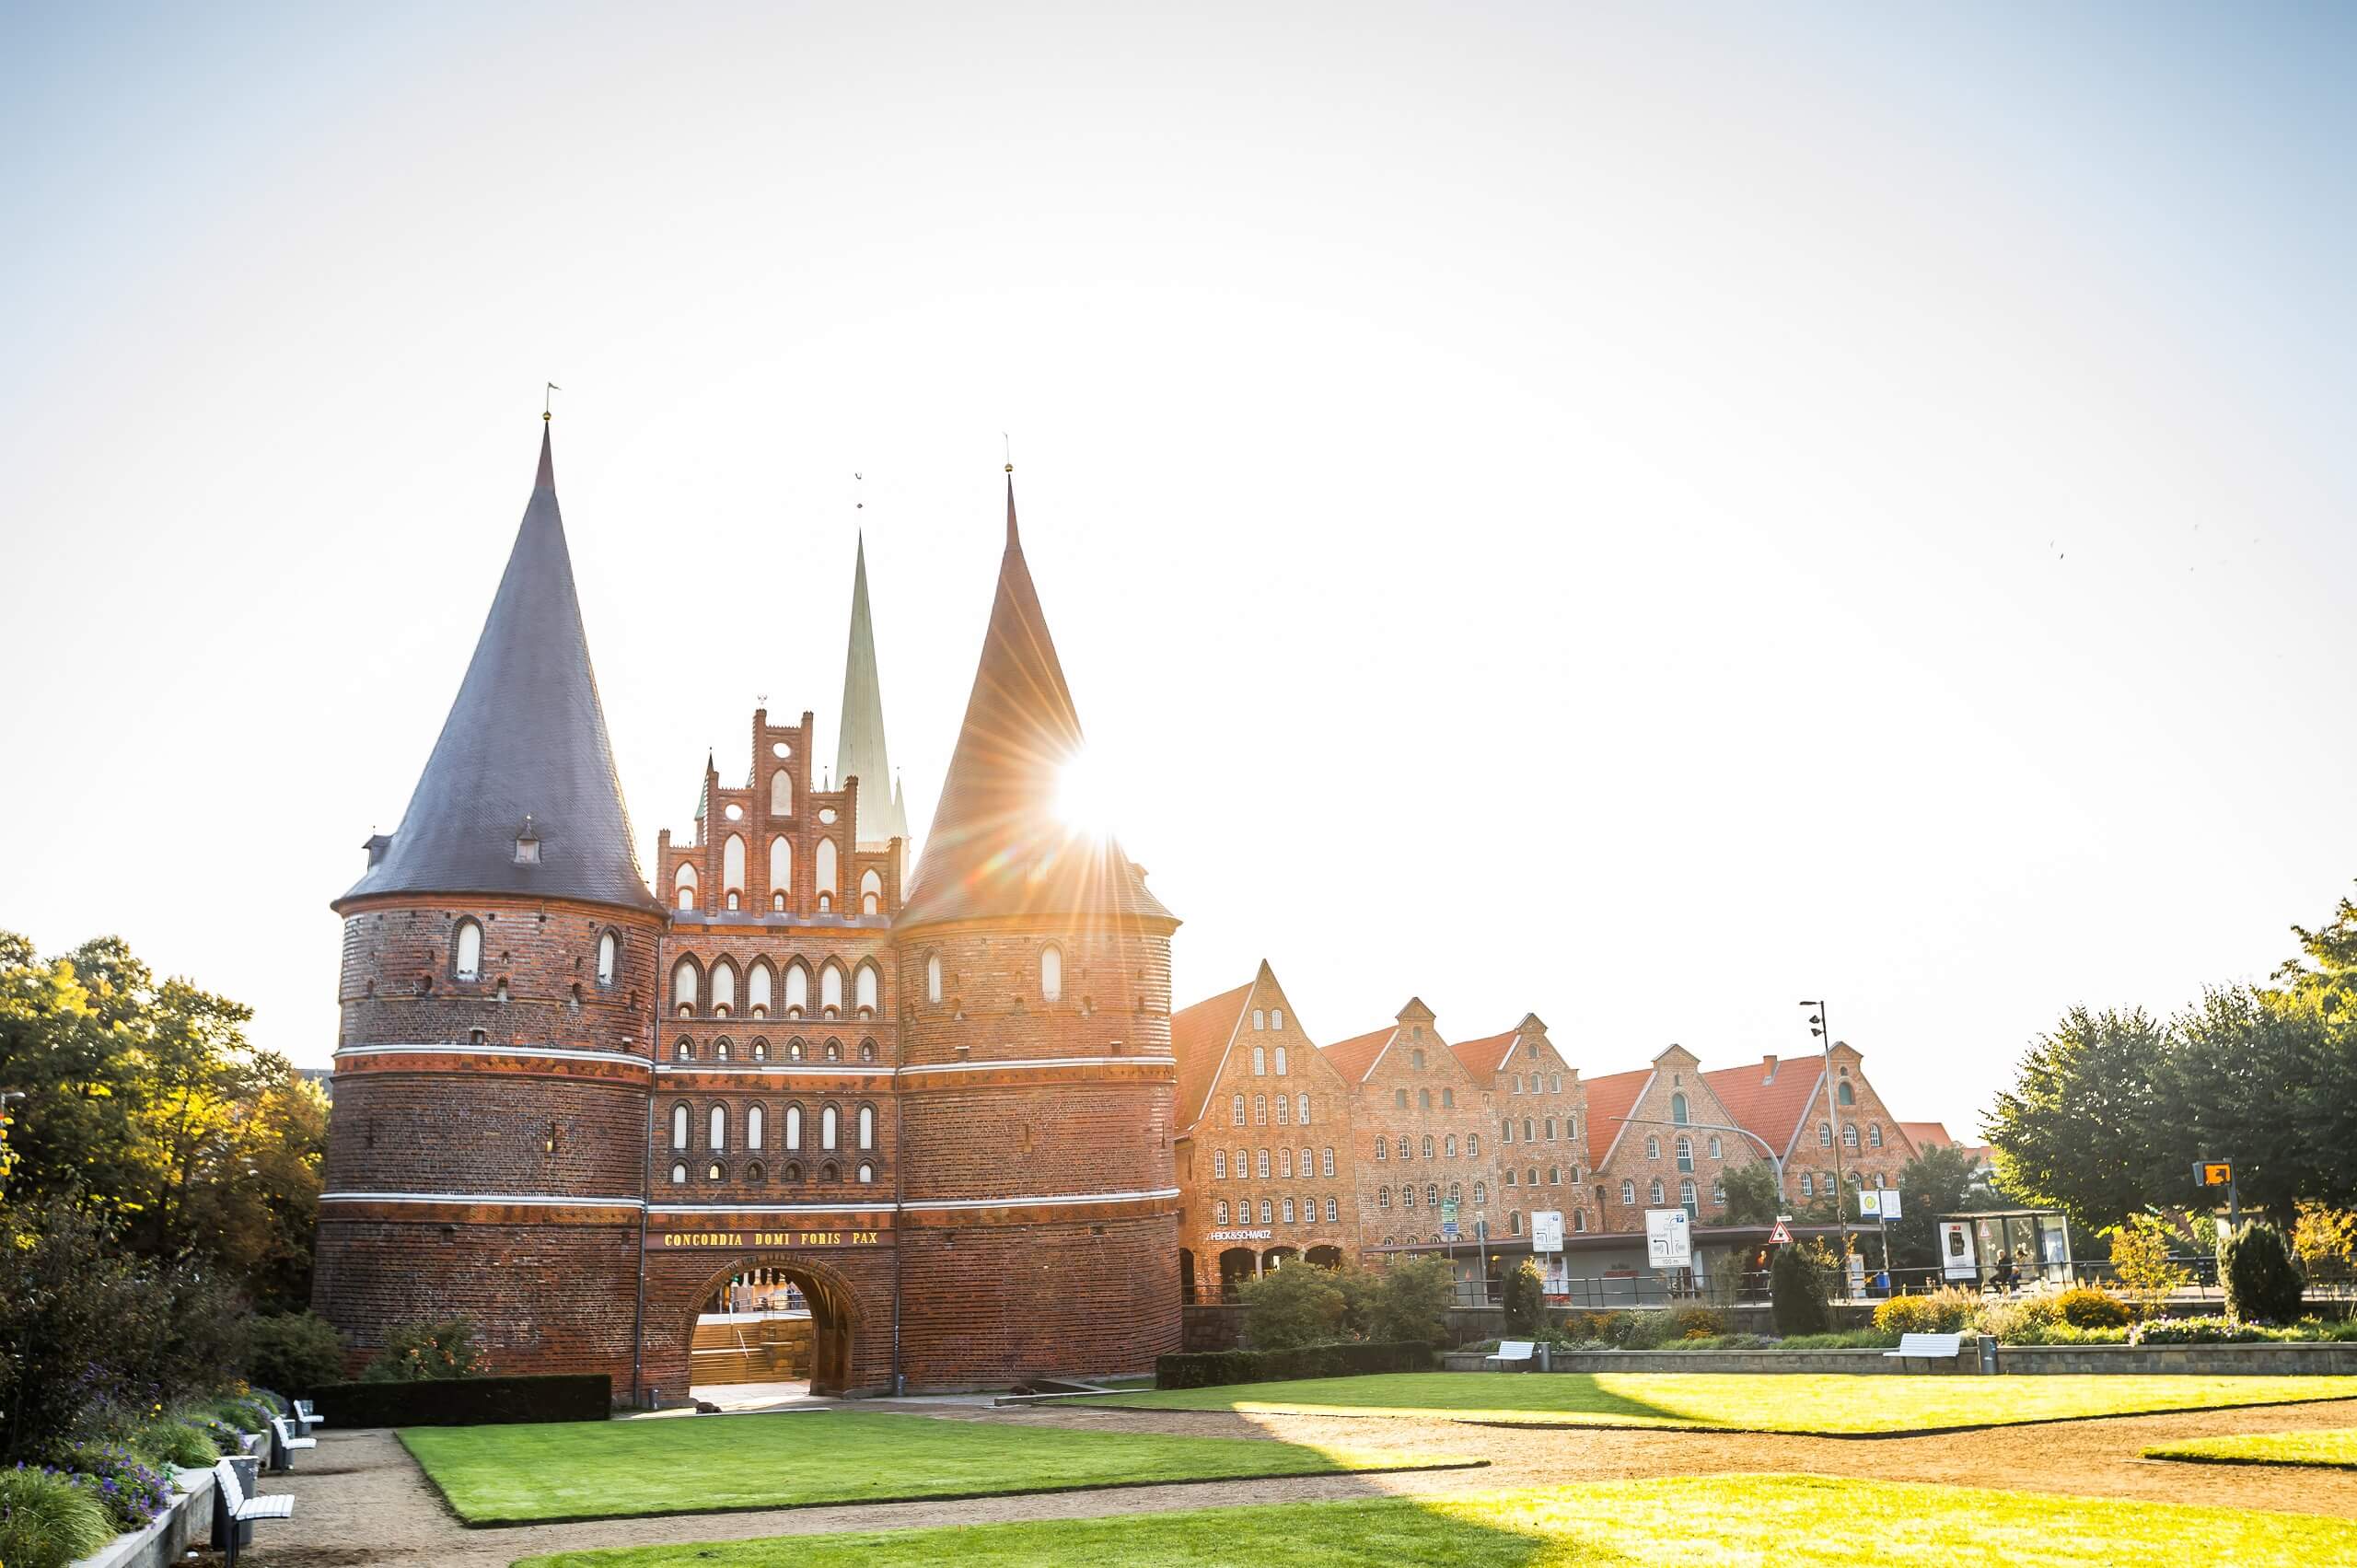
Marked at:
<point>1779,1237</point>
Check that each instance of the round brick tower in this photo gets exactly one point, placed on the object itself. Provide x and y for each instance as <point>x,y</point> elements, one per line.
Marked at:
<point>493,1062</point>
<point>1038,1222</point>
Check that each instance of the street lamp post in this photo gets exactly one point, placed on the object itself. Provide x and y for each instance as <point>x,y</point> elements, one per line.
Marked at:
<point>1823,1032</point>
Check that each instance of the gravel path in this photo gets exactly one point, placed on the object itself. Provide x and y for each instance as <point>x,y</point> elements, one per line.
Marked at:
<point>361,1500</point>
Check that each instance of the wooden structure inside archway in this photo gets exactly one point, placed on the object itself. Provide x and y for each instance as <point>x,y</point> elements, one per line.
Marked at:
<point>834,1311</point>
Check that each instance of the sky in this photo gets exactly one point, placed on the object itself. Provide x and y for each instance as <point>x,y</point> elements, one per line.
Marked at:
<point>1636,515</point>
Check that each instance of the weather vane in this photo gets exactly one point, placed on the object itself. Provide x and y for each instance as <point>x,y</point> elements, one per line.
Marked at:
<point>544,401</point>
<point>1007,443</point>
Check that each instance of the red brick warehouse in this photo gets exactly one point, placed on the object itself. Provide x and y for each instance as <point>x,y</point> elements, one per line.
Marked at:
<point>570,1109</point>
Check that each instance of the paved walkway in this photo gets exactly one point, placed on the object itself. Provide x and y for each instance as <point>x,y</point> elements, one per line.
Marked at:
<point>361,1500</point>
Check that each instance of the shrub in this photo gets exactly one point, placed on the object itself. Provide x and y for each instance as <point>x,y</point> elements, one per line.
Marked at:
<point>1696,1323</point>
<point>223,1433</point>
<point>1411,1301</point>
<point>1526,1300</point>
<point>1205,1369</point>
<point>1799,1289</point>
<point>469,1401</point>
<point>2085,1306</point>
<point>177,1443</point>
<point>46,1521</point>
<point>132,1491</point>
<point>1297,1305</point>
<point>1937,1312</point>
<point>417,1352</point>
<point>2200,1331</point>
<point>2263,1284</point>
<point>1848,1338</point>
<point>294,1350</point>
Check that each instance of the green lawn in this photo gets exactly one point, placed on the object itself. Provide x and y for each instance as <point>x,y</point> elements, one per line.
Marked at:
<point>2331,1449</point>
<point>507,1475</point>
<point>1833,1403</point>
<point>1750,1521</point>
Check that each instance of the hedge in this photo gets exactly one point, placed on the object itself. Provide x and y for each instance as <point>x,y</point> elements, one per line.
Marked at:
<point>1204,1369</point>
<point>466,1402</point>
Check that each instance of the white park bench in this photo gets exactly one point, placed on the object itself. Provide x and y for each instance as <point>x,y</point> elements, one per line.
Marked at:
<point>305,1418</point>
<point>284,1443</point>
<point>1513,1353</point>
<point>240,1510</point>
<point>1927,1347</point>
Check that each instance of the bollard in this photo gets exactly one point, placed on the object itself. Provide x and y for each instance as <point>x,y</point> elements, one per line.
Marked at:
<point>1988,1356</point>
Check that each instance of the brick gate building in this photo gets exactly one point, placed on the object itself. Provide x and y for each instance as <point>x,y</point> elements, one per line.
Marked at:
<point>569,1109</point>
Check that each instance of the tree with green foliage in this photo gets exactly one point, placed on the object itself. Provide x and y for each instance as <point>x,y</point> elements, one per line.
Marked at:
<point>2143,1260</point>
<point>1298,1304</point>
<point>294,1352</point>
<point>1411,1300</point>
<point>2079,1130</point>
<point>2263,1282</point>
<point>419,1353</point>
<point>1800,1289</point>
<point>1526,1300</point>
<point>1752,1198</point>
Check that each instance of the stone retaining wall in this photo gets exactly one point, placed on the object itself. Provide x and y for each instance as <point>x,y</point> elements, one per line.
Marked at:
<point>1855,1361</point>
<point>2200,1361</point>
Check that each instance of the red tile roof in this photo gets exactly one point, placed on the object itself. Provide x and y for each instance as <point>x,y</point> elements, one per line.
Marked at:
<point>1199,1038</point>
<point>1771,1108</point>
<point>1352,1057</point>
<point>1610,1099</point>
<point>1927,1134</point>
<point>1484,1057</point>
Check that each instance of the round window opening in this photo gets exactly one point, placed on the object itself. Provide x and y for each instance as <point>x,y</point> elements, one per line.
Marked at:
<point>826,814</point>
<point>780,749</point>
<point>734,813</point>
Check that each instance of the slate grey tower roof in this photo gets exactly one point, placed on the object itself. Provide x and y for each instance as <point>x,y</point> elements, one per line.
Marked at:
<point>525,744</point>
<point>860,751</point>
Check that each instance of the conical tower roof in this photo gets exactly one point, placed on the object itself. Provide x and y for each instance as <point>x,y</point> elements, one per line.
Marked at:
<point>860,751</point>
<point>996,847</point>
<point>525,741</point>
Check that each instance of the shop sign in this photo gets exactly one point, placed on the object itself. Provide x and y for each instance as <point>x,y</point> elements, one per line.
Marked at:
<point>772,1239</point>
<point>1242,1235</point>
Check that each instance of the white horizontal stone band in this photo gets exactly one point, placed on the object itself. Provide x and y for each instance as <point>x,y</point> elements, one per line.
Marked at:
<point>765,1208</point>
<point>1001,1065</point>
<point>542,1199</point>
<point>774,1070</point>
<point>452,1048</point>
<point>940,1204</point>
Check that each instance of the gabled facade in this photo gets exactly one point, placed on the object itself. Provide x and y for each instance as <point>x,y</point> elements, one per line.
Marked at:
<point>1666,1145</point>
<point>1542,1116</point>
<point>1785,1103</point>
<point>1265,1151</point>
<point>1419,1122</point>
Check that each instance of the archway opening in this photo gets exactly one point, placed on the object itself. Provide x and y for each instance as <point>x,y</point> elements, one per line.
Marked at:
<point>1237,1265</point>
<point>766,1330</point>
<point>1278,1256</point>
<point>1324,1257</point>
<point>1186,1277</point>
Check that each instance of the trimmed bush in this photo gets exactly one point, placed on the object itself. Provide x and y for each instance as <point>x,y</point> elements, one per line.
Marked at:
<point>467,1401</point>
<point>1208,1369</point>
<point>2200,1332</point>
<point>1525,1301</point>
<point>296,1350</point>
<point>2084,1307</point>
<point>2263,1284</point>
<point>1297,1305</point>
<point>46,1521</point>
<point>1799,1287</point>
<point>1938,1312</point>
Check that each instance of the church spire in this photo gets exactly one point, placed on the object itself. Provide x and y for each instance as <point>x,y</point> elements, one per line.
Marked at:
<point>525,742</point>
<point>860,751</point>
<point>996,846</point>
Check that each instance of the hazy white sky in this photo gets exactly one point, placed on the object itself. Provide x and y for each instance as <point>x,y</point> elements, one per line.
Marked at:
<point>1638,515</point>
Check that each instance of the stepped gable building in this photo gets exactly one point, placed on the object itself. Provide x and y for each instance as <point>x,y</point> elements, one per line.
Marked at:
<point>1785,1104</point>
<point>1264,1144</point>
<point>1542,1147</point>
<point>1666,1142</point>
<point>1418,1120</point>
<point>571,1111</point>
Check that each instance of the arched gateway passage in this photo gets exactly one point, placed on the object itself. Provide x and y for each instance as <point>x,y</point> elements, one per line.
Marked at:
<point>764,1318</point>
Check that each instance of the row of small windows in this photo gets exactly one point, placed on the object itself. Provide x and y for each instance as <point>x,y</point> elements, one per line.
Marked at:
<point>686,882</point>
<point>1811,1184</point>
<point>1445,1149</point>
<point>1431,1194</point>
<point>1848,1135</point>
<point>756,1126</point>
<point>1423,1098</point>
<point>1684,1149</point>
<point>1271,1208</point>
<point>1261,1062</point>
<point>693,990</point>
<point>1297,1107</point>
<point>1514,1084</point>
<point>1247,1164</point>
<point>1270,1019</point>
<point>1554,1176</point>
<point>1514,1226</point>
<point>1532,1126</point>
<point>717,1170</point>
<point>1656,1193</point>
<point>466,953</point>
<point>1051,975</point>
<point>724,1050</point>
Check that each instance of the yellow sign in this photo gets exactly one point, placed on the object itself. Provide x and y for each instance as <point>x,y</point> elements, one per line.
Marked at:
<point>2216,1173</point>
<point>773,1239</point>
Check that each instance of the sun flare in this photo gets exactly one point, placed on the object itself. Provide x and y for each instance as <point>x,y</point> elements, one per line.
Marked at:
<point>1084,796</point>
